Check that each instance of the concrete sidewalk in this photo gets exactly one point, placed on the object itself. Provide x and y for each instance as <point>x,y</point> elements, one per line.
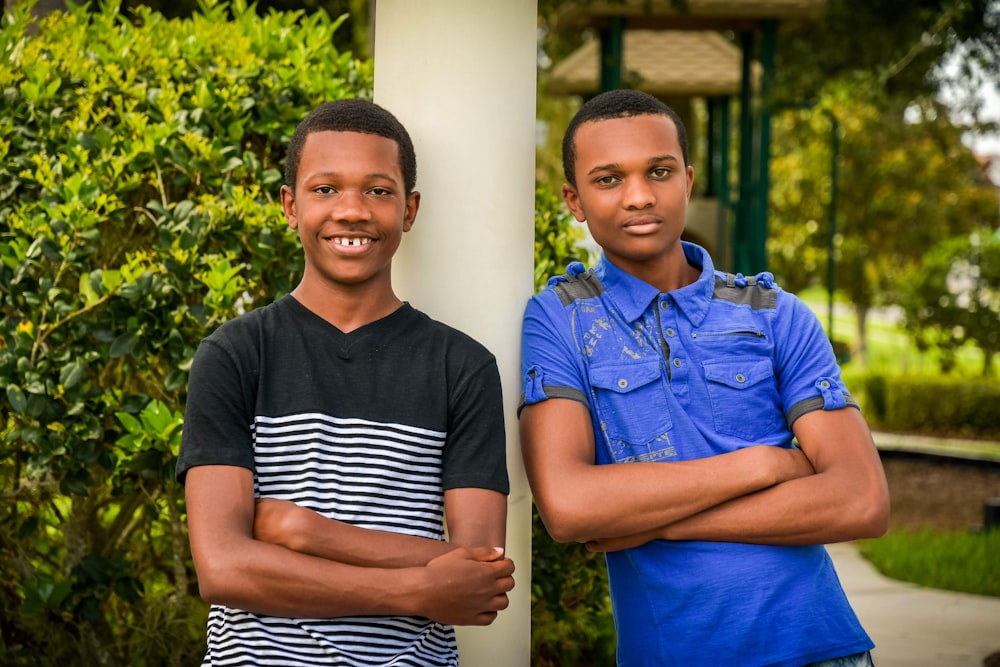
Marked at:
<point>917,627</point>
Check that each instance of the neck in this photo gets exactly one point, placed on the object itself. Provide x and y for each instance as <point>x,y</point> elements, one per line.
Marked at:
<point>667,274</point>
<point>345,307</point>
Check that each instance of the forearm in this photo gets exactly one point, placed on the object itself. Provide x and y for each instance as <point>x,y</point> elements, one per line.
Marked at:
<point>846,499</point>
<point>580,501</point>
<point>269,579</point>
<point>821,509</point>
<point>618,500</point>
<point>308,532</point>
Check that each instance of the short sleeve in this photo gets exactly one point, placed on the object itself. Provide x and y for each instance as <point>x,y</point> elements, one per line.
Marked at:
<point>218,416</point>
<point>550,367</point>
<point>808,373</point>
<point>476,452</point>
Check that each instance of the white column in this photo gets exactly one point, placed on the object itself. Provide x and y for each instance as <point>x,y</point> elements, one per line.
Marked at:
<point>460,75</point>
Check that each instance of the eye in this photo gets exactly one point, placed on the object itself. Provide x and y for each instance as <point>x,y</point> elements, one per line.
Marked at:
<point>324,190</point>
<point>660,172</point>
<point>606,180</point>
<point>380,191</point>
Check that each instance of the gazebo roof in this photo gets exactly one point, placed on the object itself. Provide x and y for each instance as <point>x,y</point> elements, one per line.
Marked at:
<point>660,62</point>
<point>696,14</point>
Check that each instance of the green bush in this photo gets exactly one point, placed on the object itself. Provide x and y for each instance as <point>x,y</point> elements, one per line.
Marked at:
<point>944,406</point>
<point>139,167</point>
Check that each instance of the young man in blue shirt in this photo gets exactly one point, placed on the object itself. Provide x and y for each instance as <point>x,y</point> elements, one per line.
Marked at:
<point>699,381</point>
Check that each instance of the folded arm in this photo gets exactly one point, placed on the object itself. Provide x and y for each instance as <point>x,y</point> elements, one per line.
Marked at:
<point>581,501</point>
<point>461,586</point>
<point>846,499</point>
<point>301,529</point>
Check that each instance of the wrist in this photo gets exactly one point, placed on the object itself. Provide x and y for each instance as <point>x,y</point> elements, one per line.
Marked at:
<point>414,582</point>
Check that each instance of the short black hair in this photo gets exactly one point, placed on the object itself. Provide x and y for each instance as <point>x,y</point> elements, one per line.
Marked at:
<point>352,115</point>
<point>621,103</point>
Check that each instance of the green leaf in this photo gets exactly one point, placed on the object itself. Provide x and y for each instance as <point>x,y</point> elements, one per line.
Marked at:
<point>71,374</point>
<point>124,344</point>
<point>131,424</point>
<point>16,398</point>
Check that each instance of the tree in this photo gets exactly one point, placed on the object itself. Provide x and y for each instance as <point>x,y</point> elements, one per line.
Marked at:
<point>139,167</point>
<point>906,184</point>
<point>953,297</point>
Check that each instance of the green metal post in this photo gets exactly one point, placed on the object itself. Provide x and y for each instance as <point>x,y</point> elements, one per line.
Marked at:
<point>719,185</point>
<point>759,240</point>
<point>831,239</point>
<point>612,40</point>
<point>742,233</point>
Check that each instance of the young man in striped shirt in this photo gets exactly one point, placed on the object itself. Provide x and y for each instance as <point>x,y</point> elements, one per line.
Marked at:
<point>330,436</point>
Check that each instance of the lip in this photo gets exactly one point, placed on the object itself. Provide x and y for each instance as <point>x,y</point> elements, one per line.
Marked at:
<point>642,224</point>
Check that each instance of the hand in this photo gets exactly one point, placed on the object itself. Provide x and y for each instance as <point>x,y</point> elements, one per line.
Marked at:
<point>468,586</point>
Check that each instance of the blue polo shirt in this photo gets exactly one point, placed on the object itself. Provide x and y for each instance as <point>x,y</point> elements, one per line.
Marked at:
<point>724,363</point>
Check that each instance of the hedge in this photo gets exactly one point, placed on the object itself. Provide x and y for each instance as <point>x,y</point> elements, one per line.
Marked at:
<point>957,407</point>
<point>140,163</point>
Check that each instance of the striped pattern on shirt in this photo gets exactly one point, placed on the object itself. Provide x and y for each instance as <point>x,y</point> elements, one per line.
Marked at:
<point>356,471</point>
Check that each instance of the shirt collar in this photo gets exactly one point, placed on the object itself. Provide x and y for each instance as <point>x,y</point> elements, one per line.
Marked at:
<point>632,296</point>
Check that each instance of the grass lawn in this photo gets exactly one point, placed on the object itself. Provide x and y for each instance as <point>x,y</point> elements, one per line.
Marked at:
<point>949,560</point>
<point>890,350</point>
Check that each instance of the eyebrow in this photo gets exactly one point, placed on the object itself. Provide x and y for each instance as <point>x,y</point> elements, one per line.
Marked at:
<point>611,166</point>
<point>335,174</point>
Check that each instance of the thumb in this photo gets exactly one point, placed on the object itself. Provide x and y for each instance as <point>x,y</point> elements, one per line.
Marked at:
<point>486,554</point>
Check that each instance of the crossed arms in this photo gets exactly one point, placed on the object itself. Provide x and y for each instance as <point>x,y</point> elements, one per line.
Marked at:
<point>833,490</point>
<point>279,559</point>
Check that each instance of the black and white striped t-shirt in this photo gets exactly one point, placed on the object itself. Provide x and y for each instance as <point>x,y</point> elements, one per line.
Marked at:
<point>368,428</point>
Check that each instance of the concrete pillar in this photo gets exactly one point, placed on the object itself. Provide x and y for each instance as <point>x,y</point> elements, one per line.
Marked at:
<point>460,74</point>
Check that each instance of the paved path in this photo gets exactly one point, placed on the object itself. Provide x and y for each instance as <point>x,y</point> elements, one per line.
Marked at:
<point>914,626</point>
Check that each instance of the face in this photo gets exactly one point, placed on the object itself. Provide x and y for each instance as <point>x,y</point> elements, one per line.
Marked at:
<point>632,189</point>
<point>350,208</point>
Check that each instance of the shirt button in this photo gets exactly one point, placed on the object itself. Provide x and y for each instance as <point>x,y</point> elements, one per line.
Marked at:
<point>825,384</point>
<point>664,305</point>
<point>671,332</point>
<point>740,377</point>
<point>622,383</point>
<point>677,363</point>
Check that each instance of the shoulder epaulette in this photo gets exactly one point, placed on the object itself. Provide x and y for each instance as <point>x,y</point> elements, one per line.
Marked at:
<point>755,291</point>
<point>577,284</point>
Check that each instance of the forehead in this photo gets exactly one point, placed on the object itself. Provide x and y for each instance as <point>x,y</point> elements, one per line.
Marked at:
<point>613,140</point>
<point>341,152</point>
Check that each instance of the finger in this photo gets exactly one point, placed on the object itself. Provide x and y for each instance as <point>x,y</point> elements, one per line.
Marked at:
<point>500,602</point>
<point>503,568</point>
<point>485,618</point>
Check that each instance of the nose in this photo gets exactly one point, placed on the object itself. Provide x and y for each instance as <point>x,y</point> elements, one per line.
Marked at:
<point>637,194</point>
<point>351,207</point>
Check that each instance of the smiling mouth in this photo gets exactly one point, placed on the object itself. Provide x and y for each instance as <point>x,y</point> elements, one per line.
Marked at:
<point>351,242</point>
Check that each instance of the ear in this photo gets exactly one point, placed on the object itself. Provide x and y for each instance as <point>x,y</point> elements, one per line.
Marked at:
<point>690,181</point>
<point>572,199</point>
<point>410,213</point>
<point>288,206</point>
